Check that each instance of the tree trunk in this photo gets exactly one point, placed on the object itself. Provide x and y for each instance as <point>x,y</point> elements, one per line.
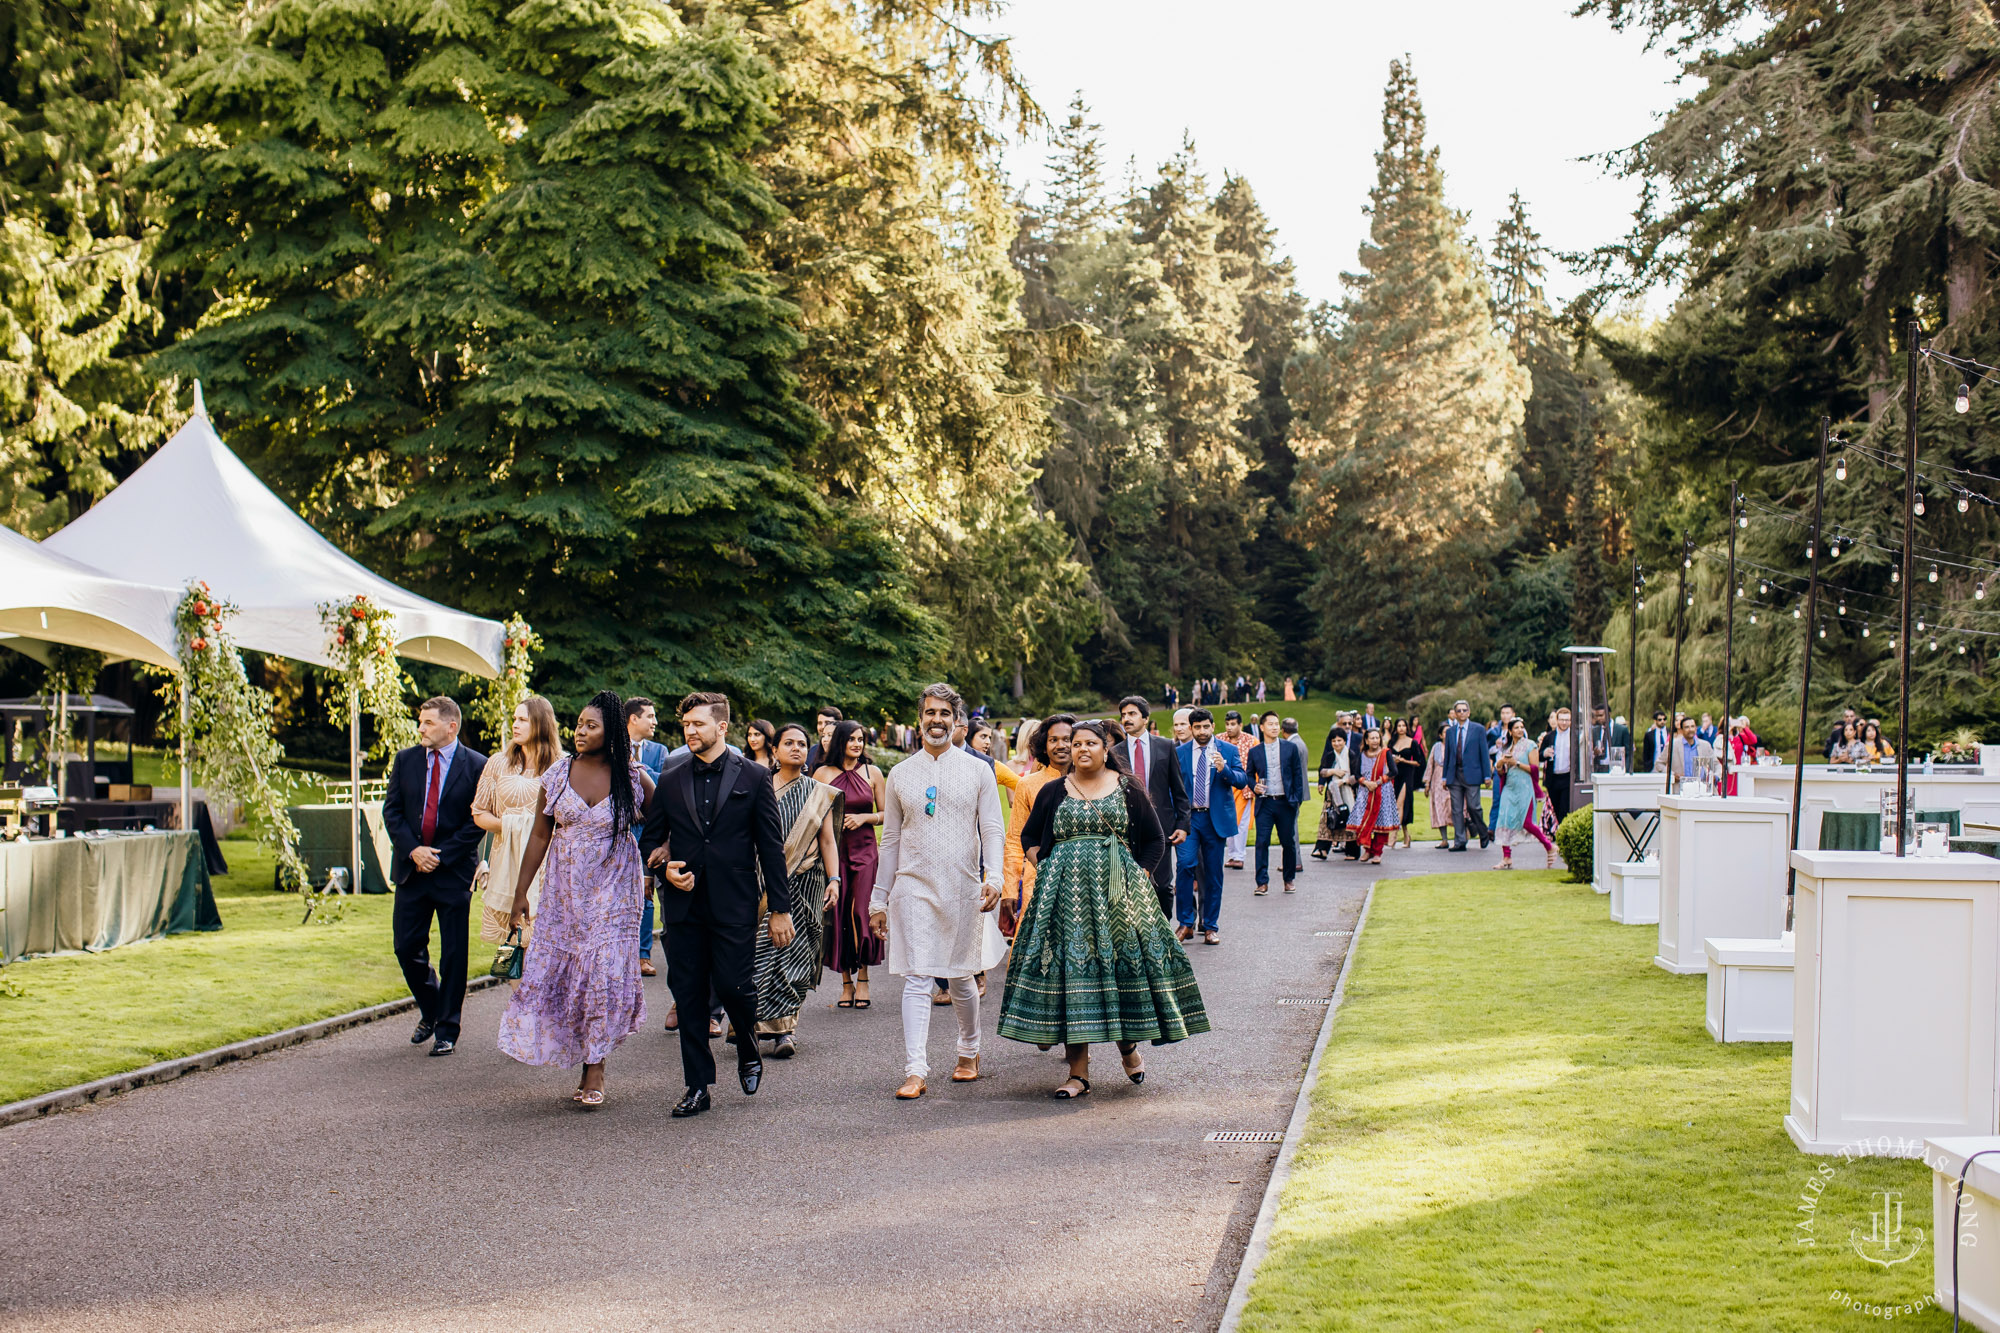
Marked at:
<point>1020,686</point>
<point>1173,652</point>
<point>1964,278</point>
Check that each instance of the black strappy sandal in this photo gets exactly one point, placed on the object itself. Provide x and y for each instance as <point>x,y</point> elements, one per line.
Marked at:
<point>1063,1094</point>
<point>1138,1075</point>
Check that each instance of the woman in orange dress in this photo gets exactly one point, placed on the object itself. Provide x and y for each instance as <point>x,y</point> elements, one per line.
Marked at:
<point>1050,747</point>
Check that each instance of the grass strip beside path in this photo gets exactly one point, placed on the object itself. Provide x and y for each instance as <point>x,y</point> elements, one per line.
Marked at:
<point>1521,1124</point>
<point>84,1016</point>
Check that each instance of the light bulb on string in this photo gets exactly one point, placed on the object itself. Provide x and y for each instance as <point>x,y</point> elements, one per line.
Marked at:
<point>1843,606</point>
<point>1840,468</point>
<point>1762,586</point>
<point>1920,624</point>
<point>1642,604</point>
<point>1964,401</point>
<point>1933,645</point>
<point>1933,573</point>
<point>1739,590</point>
<point>1822,631</point>
<point>1895,576</point>
<point>1963,503</point>
<point>1795,613</point>
<point>1920,504</point>
<point>1809,550</point>
<point>1979,593</point>
<point>1864,631</point>
<point>1961,650</point>
<point>1753,617</point>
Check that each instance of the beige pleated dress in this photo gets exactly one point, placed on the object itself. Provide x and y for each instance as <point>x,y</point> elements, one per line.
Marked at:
<point>515,799</point>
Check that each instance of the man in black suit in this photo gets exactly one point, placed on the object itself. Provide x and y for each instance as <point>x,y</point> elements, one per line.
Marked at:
<point>1153,765</point>
<point>1655,743</point>
<point>1277,769</point>
<point>714,830</point>
<point>428,811</point>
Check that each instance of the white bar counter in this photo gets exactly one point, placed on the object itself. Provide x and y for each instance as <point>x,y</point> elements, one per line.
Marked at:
<point>1722,873</point>
<point>1611,794</point>
<point>1977,1216</point>
<point>1895,1000</point>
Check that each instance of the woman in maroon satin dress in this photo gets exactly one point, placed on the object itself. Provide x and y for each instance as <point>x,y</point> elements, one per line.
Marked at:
<point>851,946</point>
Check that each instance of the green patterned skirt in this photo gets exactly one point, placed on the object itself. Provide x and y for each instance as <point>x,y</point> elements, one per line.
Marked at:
<point>1094,960</point>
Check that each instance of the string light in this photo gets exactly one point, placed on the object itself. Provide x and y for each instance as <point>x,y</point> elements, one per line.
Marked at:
<point>1864,631</point>
<point>1963,503</point>
<point>1920,504</point>
<point>1822,631</point>
<point>1895,576</point>
<point>1762,586</point>
<point>1843,606</point>
<point>1739,590</point>
<point>1795,613</point>
<point>1961,650</point>
<point>1979,593</point>
<point>1920,624</point>
<point>1934,575</point>
<point>1933,645</point>
<point>1840,468</point>
<point>1964,401</point>
<point>1809,550</point>
<point>1753,617</point>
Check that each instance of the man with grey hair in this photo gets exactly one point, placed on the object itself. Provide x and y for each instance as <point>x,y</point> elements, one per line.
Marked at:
<point>1468,764</point>
<point>937,883</point>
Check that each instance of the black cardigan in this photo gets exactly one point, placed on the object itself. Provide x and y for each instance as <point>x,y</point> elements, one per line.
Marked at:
<point>1142,826</point>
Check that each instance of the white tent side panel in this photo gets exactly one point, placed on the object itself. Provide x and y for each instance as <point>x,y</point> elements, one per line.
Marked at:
<point>46,597</point>
<point>194,510</point>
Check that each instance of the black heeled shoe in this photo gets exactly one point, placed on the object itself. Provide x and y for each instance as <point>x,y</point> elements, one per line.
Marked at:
<point>1063,1094</point>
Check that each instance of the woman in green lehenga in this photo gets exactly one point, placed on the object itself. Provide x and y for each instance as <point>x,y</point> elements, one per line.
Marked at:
<point>1094,960</point>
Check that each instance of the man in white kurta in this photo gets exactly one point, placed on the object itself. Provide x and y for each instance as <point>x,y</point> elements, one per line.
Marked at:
<point>936,884</point>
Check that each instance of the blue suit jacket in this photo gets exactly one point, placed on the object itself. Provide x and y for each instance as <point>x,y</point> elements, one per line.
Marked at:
<point>1471,766</point>
<point>1291,767</point>
<point>1221,813</point>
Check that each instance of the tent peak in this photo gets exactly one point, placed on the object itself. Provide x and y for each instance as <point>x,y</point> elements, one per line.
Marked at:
<point>200,408</point>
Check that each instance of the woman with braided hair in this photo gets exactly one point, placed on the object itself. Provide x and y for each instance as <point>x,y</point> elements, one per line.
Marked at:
<point>580,993</point>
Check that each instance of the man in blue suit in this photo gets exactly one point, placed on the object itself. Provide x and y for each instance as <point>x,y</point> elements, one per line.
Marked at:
<point>1210,769</point>
<point>1468,764</point>
<point>1278,767</point>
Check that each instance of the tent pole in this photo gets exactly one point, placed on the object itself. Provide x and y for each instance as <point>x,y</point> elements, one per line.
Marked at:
<point>353,787</point>
<point>187,793</point>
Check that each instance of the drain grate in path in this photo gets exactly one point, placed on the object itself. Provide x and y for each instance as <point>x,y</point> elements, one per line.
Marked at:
<point>1245,1136</point>
<point>1331,934</point>
<point>1294,999</point>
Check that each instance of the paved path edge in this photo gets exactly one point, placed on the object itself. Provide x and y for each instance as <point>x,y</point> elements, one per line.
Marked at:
<point>1281,1171</point>
<point>83,1094</point>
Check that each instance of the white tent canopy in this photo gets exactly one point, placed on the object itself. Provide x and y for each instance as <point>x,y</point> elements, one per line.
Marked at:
<point>194,511</point>
<point>46,597</point>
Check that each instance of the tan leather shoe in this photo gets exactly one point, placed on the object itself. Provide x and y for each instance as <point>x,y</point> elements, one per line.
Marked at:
<point>1184,934</point>
<point>913,1088</point>
<point>967,1071</point>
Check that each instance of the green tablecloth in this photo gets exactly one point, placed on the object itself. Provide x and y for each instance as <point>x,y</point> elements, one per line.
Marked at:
<point>63,894</point>
<point>323,842</point>
<point>1861,830</point>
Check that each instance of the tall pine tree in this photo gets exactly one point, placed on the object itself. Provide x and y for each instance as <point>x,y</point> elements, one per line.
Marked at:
<point>1409,410</point>
<point>86,102</point>
<point>486,302</point>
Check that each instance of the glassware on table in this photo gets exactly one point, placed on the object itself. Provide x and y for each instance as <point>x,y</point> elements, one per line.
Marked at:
<point>1617,758</point>
<point>1933,838</point>
<point>1888,847</point>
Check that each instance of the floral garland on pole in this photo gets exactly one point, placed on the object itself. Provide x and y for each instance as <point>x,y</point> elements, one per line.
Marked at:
<point>496,700</point>
<point>362,638</point>
<point>229,734</point>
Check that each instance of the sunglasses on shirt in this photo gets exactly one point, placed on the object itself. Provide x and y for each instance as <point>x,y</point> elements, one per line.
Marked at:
<point>930,800</point>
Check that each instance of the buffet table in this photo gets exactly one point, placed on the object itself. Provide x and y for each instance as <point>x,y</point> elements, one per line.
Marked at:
<point>91,816</point>
<point>98,892</point>
<point>1826,787</point>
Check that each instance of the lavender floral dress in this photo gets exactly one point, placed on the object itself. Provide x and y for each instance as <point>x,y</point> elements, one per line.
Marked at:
<point>580,994</point>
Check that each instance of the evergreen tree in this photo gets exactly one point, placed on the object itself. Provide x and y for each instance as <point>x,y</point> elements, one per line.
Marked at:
<point>486,299</point>
<point>1193,575</point>
<point>1273,319</point>
<point>894,245</point>
<point>85,102</point>
<point>1836,175</point>
<point>1409,410</point>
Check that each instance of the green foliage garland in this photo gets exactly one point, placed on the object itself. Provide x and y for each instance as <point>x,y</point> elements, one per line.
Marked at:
<point>361,636</point>
<point>494,704</point>
<point>229,735</point>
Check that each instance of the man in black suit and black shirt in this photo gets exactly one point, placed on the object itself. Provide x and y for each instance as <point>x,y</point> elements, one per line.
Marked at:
<point>714,828</point>
<point>435,853</point>
<point>1153,764</point>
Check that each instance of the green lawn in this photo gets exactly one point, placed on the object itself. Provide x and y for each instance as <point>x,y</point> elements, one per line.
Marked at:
<point>84,1016</point>
<point>1520,1124</point>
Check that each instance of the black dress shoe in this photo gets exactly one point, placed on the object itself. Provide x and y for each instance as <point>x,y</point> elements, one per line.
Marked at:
<point>443,1046</point>
<point>1486,842</point>
<point>693,1103</point>
<point>785,1049</point>
<point>750,1075</point>
<point>423,1033</point>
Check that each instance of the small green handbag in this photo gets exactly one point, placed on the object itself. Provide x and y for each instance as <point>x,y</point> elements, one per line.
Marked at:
<point>509,957</point>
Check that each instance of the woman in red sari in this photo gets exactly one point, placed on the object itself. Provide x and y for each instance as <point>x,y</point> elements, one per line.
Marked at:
<point>1374,815</point>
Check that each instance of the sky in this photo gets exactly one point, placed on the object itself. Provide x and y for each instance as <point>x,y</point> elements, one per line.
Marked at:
<point>1289,94</point>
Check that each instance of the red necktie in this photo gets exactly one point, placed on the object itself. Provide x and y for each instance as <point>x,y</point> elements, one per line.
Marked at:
<point>1139,762</point>
<point>431,800</point>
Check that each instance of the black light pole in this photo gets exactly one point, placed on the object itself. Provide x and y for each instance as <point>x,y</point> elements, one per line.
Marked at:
<point>1632,670</point>
<point>1812,625</point>
<point>1680,632</point>
<point>1729,632</point>
<point>1916,331</point>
